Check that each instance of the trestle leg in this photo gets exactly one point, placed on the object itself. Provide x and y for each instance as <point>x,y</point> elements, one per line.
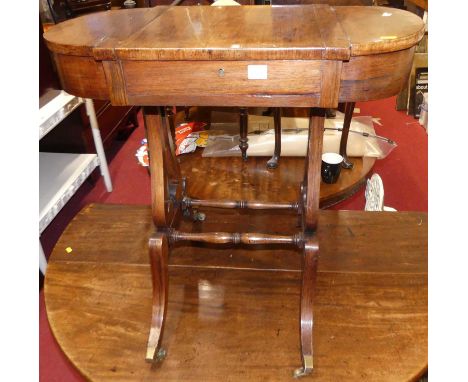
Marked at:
<point>309,276</point>
<point>158,252</point>
<point>310,194</point>
<point>312,177</point>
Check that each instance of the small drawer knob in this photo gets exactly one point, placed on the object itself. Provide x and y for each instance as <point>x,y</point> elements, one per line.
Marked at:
<point>221,72</point>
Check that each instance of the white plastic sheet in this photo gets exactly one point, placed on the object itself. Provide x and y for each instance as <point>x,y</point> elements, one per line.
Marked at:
<point>362,140</point>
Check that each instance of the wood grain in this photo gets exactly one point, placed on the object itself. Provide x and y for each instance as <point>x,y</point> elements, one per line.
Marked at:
<point>167,187</point>
<point>177,78</point>
<point>334,38</point>
<point>373,77</point>
<point>249,204</point>
<point>250,100</point>
<point>96,34</point>
<point>232,178</point>
<point>312,177</point>
<point>370,317</point>
<point>235,33</point>
<point>331,73</point>
<point>114,79</point>
<point>163,213</point>
<point>158,254</point>
<point>386,30</point>
<point>82,76</point>
<point>248,238</point>
<point>366,232</point>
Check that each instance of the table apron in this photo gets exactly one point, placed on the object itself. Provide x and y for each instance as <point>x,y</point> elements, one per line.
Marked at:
<point>301,83</point>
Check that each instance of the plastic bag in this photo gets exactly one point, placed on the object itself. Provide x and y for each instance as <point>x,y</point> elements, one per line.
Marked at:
<point>362,140</point>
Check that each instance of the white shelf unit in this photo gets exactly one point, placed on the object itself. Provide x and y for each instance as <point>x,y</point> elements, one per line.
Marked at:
<point>60,175</point>
<point>55,111</point>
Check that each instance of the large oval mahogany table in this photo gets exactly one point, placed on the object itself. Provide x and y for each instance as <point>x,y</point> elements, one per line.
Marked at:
<point>232,312</point>
<point>312,56</point>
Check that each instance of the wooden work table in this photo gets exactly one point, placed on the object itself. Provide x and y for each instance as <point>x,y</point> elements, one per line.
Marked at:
<point>170,55</point>
<point>232,312</point>
<point>312,56</point>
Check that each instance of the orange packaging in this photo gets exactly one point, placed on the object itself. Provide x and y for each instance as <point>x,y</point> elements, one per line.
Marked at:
<point>186,136</point>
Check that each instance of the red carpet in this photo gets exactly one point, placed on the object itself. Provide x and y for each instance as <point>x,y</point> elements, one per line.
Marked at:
<point>404,174</point>
<point>404,171</point>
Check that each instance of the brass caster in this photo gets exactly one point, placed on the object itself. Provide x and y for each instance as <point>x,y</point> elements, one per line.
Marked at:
<point>301,372</point>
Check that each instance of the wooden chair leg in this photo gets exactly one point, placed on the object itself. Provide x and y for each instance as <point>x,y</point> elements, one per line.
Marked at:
<point>273,162</point>
<point>244,121</point>
<point>349,109</point>
<point>309,276</point>
<point>158,252</point>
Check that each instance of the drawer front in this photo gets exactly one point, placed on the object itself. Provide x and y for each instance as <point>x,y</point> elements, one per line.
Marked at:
<point>221,78</point>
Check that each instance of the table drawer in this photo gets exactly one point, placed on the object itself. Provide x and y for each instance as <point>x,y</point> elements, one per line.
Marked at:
<point>222,77</point>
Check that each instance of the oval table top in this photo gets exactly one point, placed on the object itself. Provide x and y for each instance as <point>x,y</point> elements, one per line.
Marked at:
<point>232,312</point>
<point>294,32</point>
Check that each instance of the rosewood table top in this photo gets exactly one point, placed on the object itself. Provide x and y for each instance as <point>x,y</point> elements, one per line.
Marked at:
<point>237,33</point>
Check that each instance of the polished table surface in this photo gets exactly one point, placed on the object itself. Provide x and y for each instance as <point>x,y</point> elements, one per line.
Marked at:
<point>247,32</point>
<point>232,312</point>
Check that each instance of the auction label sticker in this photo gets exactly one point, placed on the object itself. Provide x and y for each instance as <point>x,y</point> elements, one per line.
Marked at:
<point>257,72</point>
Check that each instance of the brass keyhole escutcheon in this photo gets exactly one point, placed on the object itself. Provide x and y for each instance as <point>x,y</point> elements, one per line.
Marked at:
<point>221,72</point>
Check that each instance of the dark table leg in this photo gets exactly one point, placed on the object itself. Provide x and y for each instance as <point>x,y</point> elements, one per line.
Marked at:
<point>273,162</point>
<point>349,109</point>
<point>244,122</point>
